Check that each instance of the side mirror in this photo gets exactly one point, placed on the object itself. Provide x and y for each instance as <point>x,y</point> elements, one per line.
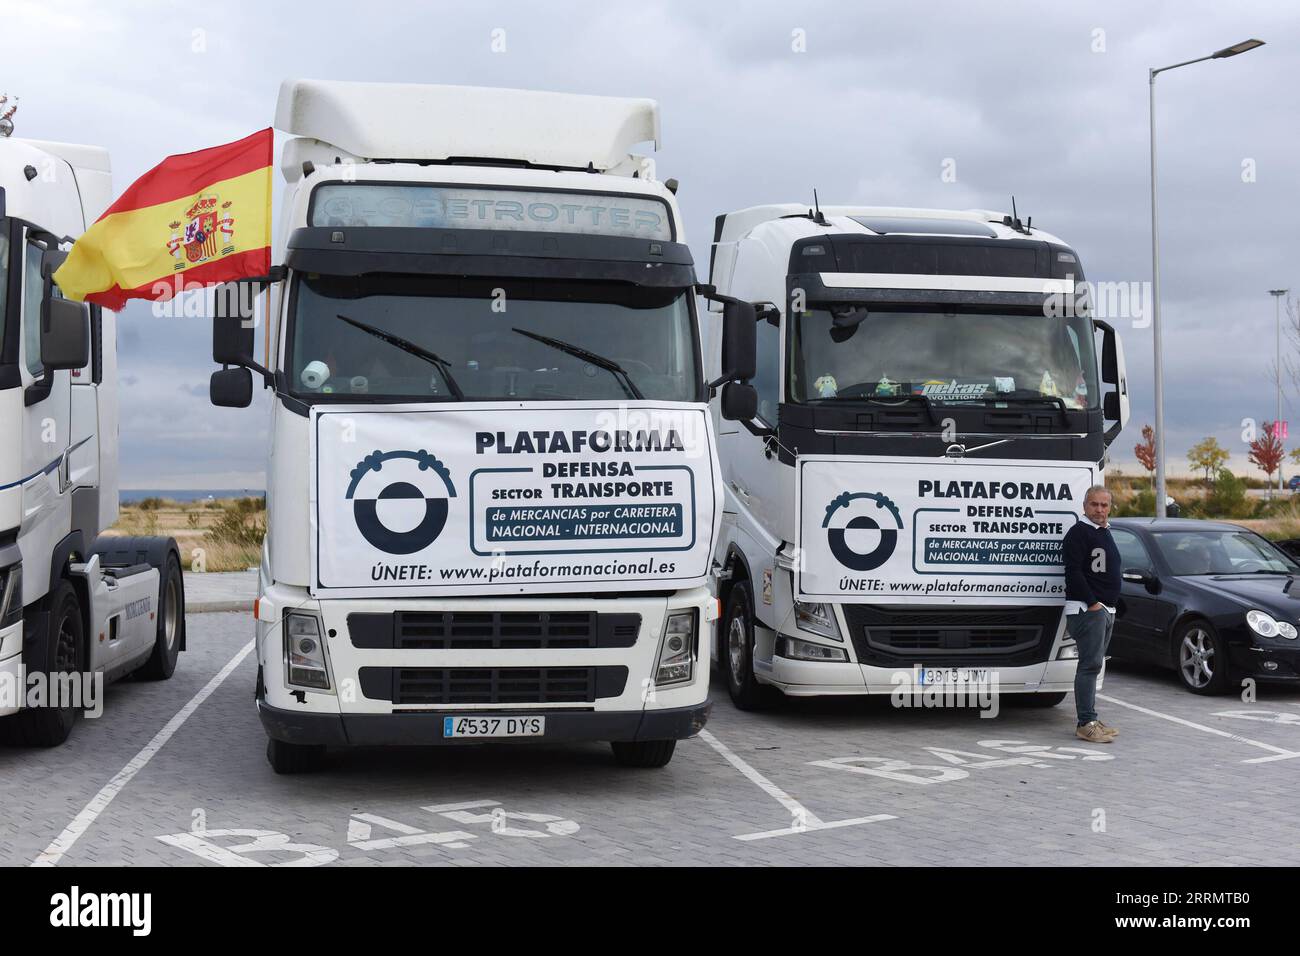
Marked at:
<point>739,402</point>
<point>231,388</point>
<point>232,343</point>
<point>1143,576</point>
<point>739,341</point>
<point>65,333</point>
<point>1115,404</point>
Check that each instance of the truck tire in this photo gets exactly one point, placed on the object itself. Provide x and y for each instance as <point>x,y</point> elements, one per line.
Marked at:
<point>294,758</point>
<point>171,622</point>
<point>62,650</point>
<point>738,653</point>
<point>643,753</point>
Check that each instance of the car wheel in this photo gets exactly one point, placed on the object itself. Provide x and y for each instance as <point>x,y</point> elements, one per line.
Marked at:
<point>738,653</point>
<point>1202,658</point>
<point>643,753</point>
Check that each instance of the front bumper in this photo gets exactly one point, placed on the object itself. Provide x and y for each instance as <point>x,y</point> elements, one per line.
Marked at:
<point>424,728</point>
<point>812,679</point>
<point>1273,662</point>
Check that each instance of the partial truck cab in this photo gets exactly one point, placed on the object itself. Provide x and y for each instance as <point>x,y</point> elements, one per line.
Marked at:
<point>932,400</point>
<point>74,605</point>
<point>492,481</point>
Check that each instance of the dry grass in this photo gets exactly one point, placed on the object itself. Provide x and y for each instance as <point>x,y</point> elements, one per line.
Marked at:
<point>202,530</point>
<point>1283,523</point>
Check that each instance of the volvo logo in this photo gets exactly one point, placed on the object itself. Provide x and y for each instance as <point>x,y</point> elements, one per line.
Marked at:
<point>856,538</point>
<point>400,499</point>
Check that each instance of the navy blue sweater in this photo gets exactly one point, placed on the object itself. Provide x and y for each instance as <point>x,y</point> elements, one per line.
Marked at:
<point>1082,583</point>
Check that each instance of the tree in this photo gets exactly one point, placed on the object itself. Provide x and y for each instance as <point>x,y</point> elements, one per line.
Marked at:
<point>1209,456</point>
<point>1266,452</point>
<point>1146,448</point>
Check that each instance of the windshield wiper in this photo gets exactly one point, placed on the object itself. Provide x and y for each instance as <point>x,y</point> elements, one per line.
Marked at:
<point>437,361</point>
<point>1037,399</point>
<point>925,400</point>
<point>592,358</point>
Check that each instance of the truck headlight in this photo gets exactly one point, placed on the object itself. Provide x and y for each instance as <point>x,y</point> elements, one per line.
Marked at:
<point>11,595</point>
<point>304,652</point>
<point>677,648</point>
<point>798,650</point>
<point>816,619</point>
<point>1068,652</point>
<point>1265,625</point>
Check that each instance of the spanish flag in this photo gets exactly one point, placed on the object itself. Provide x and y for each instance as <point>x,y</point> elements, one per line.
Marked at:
<point>194,220</point>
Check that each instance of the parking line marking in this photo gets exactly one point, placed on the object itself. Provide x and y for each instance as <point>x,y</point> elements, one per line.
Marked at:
<point>1279,753</point>
<point>805,819</point>
<point>51,855</point>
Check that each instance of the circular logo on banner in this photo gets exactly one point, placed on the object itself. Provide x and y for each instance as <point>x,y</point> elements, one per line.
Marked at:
<point>857,539</point>
<point>405,509</point>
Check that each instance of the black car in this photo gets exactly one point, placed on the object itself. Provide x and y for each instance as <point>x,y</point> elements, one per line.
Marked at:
<point>1215,601</point>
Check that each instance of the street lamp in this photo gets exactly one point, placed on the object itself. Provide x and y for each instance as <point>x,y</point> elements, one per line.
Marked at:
<point>1277,308</point>
<point>1242,47</point>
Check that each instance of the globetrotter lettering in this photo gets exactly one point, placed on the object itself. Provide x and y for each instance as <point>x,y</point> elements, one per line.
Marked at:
<point>576,442</point>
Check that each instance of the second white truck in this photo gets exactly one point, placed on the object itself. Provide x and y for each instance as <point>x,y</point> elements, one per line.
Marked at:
<point>933,400</point>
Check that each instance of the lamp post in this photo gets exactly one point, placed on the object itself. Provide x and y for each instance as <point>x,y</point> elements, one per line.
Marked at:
<point>1277,309</point>
<point>1243,47</point>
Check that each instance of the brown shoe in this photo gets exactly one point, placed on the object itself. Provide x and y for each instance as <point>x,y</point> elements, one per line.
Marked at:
<point>1093,732</point>
<point>1113,731</point>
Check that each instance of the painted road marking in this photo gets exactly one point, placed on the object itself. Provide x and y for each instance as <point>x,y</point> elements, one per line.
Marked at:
<point>960,762</point>
<point>804,819</point>
<point>1278,753</point>
<point>51,855</point>
<point>1264,716</point>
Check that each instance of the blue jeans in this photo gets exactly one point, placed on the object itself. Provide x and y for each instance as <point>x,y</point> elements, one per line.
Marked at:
<point>1091,631</point>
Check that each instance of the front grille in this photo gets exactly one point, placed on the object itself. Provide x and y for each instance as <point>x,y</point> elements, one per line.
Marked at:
<point>492,685</point>
<point>886,635</point>
<point>493,630</point>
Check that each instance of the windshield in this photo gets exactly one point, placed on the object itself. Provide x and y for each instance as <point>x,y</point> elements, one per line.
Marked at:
<point>851,352</point>
<point>1221,552</point>
<point>438,339</point>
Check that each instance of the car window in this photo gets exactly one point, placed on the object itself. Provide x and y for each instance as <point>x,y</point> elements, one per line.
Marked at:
<point>1132,552</point>
<point>1221,552</point>
<point>33,291</point>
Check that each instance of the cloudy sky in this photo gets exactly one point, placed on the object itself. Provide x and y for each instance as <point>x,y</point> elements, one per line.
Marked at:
<point>869,103</point>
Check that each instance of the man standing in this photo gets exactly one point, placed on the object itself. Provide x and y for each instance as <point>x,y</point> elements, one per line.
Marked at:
<point>1092,582</point>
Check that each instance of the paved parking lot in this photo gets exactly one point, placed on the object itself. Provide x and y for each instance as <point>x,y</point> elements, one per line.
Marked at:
<point>170,776</point>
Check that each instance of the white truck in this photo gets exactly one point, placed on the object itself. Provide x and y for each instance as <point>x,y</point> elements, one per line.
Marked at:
<point>928,414</point>
<point>492,486</point>
<point>76,608</point>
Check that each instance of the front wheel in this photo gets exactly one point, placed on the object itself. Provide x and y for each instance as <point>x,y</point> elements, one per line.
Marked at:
<point>294,758</point>
<point>738,653</point>
<point>62,651</point>
<point>643,753</point>
<point>1202,658</point>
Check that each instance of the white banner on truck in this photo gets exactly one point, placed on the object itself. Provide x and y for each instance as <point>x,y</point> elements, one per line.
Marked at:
<point>505,497</point>
<point>890,531</point>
